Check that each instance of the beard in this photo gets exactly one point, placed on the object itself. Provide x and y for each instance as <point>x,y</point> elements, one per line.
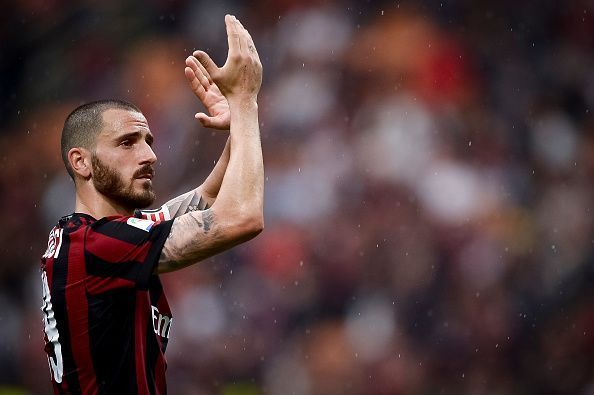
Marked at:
<point>110,183</point>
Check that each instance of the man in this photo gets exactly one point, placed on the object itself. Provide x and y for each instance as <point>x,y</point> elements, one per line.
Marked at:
<point>106,318</point>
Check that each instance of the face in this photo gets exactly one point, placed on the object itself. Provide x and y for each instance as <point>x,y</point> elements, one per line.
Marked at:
<point>122,164</point>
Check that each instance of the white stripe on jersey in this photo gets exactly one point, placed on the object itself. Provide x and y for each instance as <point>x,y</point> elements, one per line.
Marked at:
<point>160,214</point>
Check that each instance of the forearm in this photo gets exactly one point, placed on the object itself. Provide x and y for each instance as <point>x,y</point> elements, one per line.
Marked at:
<point>212,184</point>
<point>242,189</point>
<point>236,215</point>
<point>199,198</point>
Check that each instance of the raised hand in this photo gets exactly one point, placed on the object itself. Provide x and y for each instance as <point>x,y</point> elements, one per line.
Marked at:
<point>209,94</point>
<point>241,76</point>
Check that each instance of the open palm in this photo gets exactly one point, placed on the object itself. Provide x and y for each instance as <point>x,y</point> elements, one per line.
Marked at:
<point>209,94</point>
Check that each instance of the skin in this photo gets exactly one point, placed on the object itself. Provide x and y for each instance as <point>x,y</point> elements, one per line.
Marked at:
<point>220,118</point>
<point>124,145</point>
<point>227,209</point>
<point>236,214</point>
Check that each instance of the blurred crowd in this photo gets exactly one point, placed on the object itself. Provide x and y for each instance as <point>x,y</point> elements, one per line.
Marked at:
<point>429,168</point>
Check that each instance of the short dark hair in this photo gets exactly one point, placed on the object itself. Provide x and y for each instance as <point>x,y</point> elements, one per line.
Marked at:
<point>84,124</point>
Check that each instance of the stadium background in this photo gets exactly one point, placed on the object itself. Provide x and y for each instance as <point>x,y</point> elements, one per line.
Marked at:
<point>429,169</point>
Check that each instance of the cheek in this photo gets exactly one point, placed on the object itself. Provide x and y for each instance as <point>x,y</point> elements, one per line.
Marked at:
<point>121,161</point>
<point>123,166</point>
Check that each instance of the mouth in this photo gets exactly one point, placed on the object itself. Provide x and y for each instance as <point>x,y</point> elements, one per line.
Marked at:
<point>145,173</point>
<point>146,176</point>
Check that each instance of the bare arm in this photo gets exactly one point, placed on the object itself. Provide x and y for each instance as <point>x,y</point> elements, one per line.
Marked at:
<point>218,117</point>
<point>204,195</point>
<point>236,214</point>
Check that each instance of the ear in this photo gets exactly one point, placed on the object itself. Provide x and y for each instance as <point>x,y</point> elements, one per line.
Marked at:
<point>80,161</point>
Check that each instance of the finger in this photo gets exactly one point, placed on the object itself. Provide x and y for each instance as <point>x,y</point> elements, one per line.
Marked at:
<point>207,62</point>
<point>193,64</point>
<point>195,84</point>
<point>252,48</point>
<point>203,72</point>
<point>211,122</point>
<point>242,35</point>
<point>197,63</point>
<point>232,34</point>
<point>249,42</point>
<point>203,118</point>
<point>199,71</point>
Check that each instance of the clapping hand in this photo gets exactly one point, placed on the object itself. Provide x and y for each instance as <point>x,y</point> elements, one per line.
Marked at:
<point>240,78</point>
<point>209,94</point>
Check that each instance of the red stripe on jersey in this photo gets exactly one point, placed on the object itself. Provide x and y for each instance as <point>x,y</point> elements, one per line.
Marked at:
<point>140,325</point>
<point>78,310</point>
<point>162,216</point>
<point>113,250</point>
<point>98,285</point>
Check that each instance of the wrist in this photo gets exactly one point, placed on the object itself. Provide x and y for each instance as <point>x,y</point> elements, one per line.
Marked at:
<point>243,102</point>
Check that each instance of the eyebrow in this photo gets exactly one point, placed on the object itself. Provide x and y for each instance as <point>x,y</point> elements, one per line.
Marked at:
<point>149,136</point>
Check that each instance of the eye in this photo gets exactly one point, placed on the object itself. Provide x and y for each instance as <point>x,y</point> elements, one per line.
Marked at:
<point>126,143</point>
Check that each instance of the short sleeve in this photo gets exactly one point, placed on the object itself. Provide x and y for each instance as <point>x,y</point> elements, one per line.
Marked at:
<point>121,252</point>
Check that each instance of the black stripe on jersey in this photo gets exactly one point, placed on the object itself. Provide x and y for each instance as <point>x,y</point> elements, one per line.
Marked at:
<point>157,287</point>
<point>151,356</point>
<point>156,344</point>
<point>111,325</point>
<point>121,230</point>
<point>58,291</point>
<point>136,272</point>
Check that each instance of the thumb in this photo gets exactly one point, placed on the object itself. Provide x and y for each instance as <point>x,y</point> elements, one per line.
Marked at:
<point>204,119</point>
<point>206,61</point>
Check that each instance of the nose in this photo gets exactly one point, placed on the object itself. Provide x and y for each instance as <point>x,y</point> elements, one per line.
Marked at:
<point>147,155</point>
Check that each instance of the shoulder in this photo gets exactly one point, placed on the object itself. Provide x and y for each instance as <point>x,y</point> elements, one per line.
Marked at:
<point>75,221</point>
<point>127,228</point>
<point>122,224</point>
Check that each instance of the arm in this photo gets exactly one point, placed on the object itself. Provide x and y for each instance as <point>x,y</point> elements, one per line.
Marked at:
<point>217,106</point>
<point>236,215</point>
<point>203,196</point>
<point>211,186</point>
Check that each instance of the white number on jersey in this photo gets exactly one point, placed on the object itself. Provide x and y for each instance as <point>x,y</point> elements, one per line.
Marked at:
<point>54,243</point>
<point>51,330</point>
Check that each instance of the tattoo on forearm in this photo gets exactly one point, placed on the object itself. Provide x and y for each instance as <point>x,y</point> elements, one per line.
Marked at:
<point>208,219</point>
<point>192,238</point>
<point>196,221</point>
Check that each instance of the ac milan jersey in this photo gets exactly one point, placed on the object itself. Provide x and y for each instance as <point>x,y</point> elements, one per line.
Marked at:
<point>106,318</point>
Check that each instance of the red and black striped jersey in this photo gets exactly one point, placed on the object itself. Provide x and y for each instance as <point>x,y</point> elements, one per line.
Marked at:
<point>106,318</point>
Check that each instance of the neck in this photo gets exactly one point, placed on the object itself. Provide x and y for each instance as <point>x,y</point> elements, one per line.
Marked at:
<point>98,206</point>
